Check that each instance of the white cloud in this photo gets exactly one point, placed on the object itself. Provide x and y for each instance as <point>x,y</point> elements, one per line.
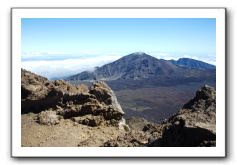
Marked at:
<point>205,58</point>
<point>66,67</point>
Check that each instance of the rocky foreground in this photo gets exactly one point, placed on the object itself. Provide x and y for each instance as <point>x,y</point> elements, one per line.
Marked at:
<point>56,113</point>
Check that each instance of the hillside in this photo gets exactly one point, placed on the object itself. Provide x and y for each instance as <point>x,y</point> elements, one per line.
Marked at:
<point>140,65</point>
<point>193,64</point>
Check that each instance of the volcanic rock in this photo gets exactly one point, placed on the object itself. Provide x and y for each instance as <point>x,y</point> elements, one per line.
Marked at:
<point>141,133</point>
<point>48,118</point>
<point>62,98</point>
<point>205,100</point>
<point>195,124</point>
<point>89,120</point>
<point>130,139</point>
<point>136,123</point>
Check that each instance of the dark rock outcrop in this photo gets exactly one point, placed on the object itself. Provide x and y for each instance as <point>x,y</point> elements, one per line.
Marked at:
<point>104,94</point>
<point>205,100</point>
<point>195,124</point>
<point>39,95</point>
<point>178,135</point>
<point>89,120</point>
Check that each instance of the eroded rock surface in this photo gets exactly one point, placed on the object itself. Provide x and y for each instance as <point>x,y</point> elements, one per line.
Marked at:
<point>141,133</point>
<point>99,101</point>
<point>195,123</point>
<point>48,117</point>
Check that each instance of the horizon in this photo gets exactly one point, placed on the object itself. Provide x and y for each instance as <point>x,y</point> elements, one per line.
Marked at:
<point>58,47</point>
<point>94,67</point>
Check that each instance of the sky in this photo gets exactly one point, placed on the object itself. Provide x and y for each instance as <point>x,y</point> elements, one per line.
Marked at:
<point>58,47</point>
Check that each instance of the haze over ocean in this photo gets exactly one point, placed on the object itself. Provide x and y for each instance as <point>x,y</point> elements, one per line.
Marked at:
<point>57,47</point>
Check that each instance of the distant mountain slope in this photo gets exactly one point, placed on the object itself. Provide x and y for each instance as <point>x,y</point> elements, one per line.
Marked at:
<point>191,63</point>
<point>139,66</point>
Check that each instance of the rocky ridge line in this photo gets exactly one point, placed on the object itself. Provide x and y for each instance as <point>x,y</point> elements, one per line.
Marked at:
<point>54,100</point>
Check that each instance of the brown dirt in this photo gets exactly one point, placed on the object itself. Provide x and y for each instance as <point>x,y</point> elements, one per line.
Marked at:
<point>65,134</point>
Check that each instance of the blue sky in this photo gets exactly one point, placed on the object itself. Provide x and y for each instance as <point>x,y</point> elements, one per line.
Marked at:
<point>64,44</point>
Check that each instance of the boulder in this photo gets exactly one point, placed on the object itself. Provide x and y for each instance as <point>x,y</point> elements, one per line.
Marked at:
<point>106,96</point>
<point>136,123</point>
<point>48,117</point>
<point>33,87</point>
<point>89,120</point>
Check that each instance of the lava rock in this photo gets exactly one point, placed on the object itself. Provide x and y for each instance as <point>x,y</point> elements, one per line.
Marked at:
<point>48,118</point>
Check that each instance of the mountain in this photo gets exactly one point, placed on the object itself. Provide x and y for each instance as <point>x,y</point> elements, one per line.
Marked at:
<point>145,85</point>
<point>140,65</point>
<point>191,63</point>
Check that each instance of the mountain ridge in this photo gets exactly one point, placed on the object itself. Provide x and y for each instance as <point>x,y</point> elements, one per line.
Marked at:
<point>192,63</point>
<point>140,65</point>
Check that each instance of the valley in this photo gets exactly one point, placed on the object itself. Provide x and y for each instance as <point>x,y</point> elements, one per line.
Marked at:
<point>148,87</point>
<point>155,99</point>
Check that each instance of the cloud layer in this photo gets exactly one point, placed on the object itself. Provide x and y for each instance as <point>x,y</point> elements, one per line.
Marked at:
<point>59,65</point>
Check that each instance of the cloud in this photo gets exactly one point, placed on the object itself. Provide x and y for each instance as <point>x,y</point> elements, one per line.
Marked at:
<point>57,67</point>
<point>205,58</point>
